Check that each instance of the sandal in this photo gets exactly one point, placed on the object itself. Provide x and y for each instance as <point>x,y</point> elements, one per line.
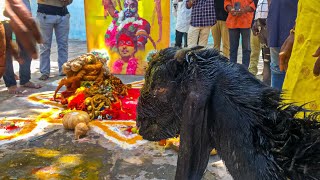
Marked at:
<point>14,90</point>
<point>44,77</point>
<point>31,85</point>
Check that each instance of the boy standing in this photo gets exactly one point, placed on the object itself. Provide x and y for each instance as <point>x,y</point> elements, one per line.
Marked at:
<point>183,22</point>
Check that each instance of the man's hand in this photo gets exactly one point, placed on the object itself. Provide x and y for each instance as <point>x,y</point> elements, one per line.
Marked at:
<point>231,10</point>
<point>244,10</point>
<point>316,69</point>
<point>255,29</point>
<point>65,2</point>
<point>23,25</point>
<point>190,3</point>
<point>285,52</point>
<point>234,12</point>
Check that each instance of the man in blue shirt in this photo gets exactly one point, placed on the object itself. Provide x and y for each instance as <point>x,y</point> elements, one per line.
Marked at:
<point>281,19</point>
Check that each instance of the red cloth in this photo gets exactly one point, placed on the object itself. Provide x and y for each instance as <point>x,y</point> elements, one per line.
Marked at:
<point>78,102</point>
<point>125,109</point>
<point>139,24</point>
<point>128,104</point>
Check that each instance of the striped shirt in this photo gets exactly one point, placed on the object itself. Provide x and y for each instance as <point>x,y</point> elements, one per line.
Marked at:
<point>203,13</point>
<point>262,9</point>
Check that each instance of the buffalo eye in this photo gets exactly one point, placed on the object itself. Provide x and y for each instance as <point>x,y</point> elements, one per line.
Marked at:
<point>159,91</point>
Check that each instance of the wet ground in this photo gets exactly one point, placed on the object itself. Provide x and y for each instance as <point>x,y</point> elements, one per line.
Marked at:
<point>57,156</point>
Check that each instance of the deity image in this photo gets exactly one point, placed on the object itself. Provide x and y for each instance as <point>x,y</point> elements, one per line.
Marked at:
<point>128,31</point>
<point>127,47</point>
<point>129,19</point>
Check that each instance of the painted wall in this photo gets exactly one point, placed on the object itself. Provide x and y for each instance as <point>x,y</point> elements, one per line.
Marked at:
<point>77,21</point>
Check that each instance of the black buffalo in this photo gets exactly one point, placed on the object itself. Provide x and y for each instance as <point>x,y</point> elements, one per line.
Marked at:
<point>213,103</point>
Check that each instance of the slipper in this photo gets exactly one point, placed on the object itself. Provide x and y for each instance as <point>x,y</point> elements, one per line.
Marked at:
<point>31,85</point>
<point>44,77</point>
<point>14,90</point>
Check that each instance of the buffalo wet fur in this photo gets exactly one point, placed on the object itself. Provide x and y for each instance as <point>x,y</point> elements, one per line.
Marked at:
<point>213,103</point>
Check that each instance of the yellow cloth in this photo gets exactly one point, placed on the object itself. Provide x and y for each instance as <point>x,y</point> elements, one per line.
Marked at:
<point>300,85</point>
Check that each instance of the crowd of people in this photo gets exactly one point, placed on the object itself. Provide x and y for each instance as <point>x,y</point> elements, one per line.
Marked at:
<point>234,21</point>
<point>269,27</point>
<point>285,31</point>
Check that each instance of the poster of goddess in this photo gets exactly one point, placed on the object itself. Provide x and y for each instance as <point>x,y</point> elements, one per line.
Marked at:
<point>128,30</point>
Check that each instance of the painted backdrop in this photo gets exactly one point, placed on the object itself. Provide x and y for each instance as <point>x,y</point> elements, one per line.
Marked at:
<point>128,30</point>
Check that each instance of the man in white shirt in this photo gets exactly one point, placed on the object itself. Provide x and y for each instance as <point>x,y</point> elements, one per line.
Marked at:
<point>258,41</point>
<point>183,21</point>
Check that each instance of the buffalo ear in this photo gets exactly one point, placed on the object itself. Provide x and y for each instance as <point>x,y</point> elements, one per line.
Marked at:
<point>181,55</point>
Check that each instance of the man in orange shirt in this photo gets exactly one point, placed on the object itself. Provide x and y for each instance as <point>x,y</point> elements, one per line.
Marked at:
<point>240,16</point>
